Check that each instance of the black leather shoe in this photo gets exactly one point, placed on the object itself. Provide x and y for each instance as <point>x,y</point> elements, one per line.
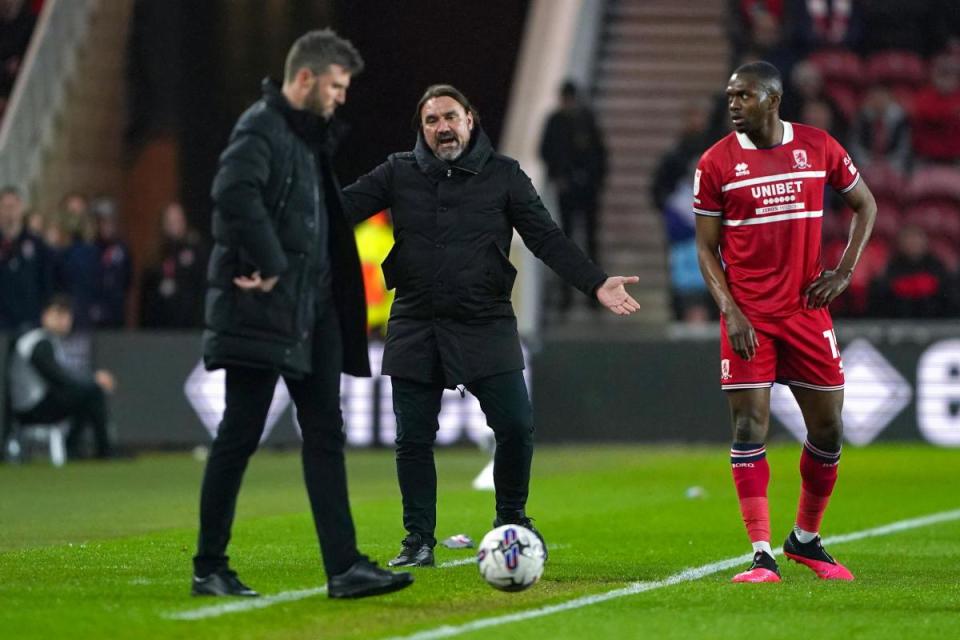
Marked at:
<point>526,523</point>
<point>414,553</point>
<point>221,583</point>
<point>365,578</point>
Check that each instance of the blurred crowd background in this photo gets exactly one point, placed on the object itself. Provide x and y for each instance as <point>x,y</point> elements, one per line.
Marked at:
<point>882,76</point>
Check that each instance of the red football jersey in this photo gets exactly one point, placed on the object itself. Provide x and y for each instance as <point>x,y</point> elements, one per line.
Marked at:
<point>771,205</point>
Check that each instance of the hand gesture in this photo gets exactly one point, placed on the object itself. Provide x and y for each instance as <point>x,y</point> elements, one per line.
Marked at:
<point>826,288</point>
<point>255,283</point>
<point>614,296</point>
<point>741,334</point>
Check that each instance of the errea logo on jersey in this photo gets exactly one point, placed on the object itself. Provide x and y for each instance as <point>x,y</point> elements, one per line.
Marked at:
<point>742,169</point>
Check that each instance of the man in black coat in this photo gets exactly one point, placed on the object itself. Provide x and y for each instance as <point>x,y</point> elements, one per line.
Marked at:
<point>285,298</point>
<point>26,267</point>
<point>572,148</point>
<point>455,204</point>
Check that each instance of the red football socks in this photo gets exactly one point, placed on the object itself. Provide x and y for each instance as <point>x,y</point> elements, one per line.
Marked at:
<point>751,475</point>
<point>818,470</point>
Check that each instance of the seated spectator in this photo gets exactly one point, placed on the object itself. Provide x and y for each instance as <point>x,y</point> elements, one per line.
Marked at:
<point>173,290</point>
<point>77,263</point>
<point>915,283</point>
<point>806,86</point>
<point>826,23</point>
<point>675,166</point>
<point>881,132</point>
<point>43,390</point>
<point>109,309</point>
<point>26,266</point>
<point>935,116</point>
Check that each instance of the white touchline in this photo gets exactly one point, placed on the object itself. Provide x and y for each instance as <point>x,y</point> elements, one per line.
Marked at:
<point>249,604</point>
<point>246,604</point>
<point>687,575</point>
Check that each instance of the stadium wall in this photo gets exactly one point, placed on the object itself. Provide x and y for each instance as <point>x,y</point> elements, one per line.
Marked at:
<point>903,383</point>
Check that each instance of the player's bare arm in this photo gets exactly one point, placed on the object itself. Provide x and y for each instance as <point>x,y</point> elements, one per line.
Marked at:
<point>743,338</point>
<point>832,283</point>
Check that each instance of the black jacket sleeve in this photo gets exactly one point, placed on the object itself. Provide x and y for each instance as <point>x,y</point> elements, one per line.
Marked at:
<point>545,239</point>
<point>238,193</point>
<point>370,194</point>
<point>45,362</point>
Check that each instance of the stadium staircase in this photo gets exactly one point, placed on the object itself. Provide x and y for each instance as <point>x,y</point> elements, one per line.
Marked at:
<point>64,129</point>
<point>655,58</point>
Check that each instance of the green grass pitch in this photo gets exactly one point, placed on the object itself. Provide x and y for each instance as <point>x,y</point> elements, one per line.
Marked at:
<point>103,550</point>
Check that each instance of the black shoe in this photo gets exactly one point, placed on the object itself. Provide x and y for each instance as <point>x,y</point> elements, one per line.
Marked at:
<point>365,578</point>
<point>813,555</point>
<point>763,569</point>
<point>223,582</point>
<point>414,553</point>
<point>526,523</point>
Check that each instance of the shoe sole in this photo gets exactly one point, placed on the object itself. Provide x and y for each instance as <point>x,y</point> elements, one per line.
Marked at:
<point>824,570</point>
<point>374,591</point>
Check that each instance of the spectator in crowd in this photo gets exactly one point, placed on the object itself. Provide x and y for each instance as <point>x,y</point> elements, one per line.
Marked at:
<point>26,266</point>
<point>572,148</point>
<point>35,222</point>
<point>173,289</point>
<point>115,267</point>
<point>935,116</point>
<point>765,30</point>
<point>43,389</point>
<point>881,132</point>
<point>672,193</point>
<point>915,283</point>
<point>806,86</point>
<point>77,263</point>
<point>828,23</point>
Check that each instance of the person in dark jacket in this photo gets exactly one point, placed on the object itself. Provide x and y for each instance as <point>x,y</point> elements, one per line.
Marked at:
<point>285,298</point>
<point>43,389</point>
<point>915,284</point>
<point>173,288</point>
<point>455,204</point>
<point>572,148</point>
<point>26,266</point>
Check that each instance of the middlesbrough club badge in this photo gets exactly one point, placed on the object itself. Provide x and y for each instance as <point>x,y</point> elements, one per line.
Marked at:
<point>800,159</point>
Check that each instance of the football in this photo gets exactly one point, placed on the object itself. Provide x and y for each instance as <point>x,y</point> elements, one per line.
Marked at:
<point>510,558</point>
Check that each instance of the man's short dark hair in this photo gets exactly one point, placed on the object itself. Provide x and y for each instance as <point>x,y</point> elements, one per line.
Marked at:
<point>10,190</point>
<point>767,76</point>
<point>440,90</point>
<point>317,50</point>
<point>568,89</point>
<point>60,302</point>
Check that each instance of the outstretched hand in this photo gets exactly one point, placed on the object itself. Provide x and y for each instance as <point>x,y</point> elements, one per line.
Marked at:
<point>255,282</point>
<point>614,296</point>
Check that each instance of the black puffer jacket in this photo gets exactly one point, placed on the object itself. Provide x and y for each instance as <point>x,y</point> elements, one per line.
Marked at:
<point>452,321</point>
<point>267,190</point>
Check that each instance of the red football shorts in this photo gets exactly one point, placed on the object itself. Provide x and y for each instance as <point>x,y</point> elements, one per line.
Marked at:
<point>800,350</point>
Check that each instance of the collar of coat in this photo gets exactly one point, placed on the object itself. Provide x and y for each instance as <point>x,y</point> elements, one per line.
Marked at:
<point>312,128</point>
<point>472,160</point>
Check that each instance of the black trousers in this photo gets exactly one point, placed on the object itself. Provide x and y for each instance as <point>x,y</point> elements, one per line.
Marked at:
<point>577,210</point>
<point>317,401</point>
<point>505,403</point>
<point>86,409</point>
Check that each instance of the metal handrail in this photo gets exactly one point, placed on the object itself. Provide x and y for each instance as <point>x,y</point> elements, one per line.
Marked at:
<point>38,94</point>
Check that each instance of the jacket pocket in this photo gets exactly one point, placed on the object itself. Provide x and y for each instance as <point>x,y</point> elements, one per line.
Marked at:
<point>508,273</point>
<point>391,267</point>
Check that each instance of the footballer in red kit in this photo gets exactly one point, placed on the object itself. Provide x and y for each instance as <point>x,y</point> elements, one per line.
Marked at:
<point>759,200</point>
